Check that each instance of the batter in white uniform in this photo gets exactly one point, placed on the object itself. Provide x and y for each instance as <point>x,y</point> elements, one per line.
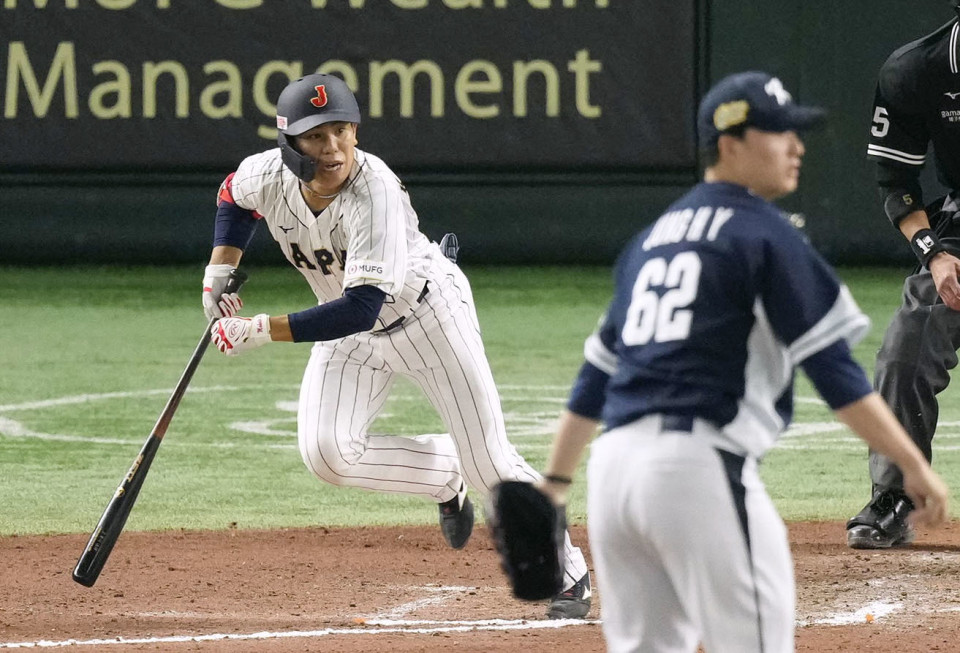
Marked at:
<point>389,303</point>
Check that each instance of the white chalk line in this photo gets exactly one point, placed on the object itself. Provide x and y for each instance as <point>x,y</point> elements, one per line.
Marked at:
<point>382,623</point>
<point>442,595</point>
<point>16,429</point>
<point>86,398</point>
<point>525,428</point>
<point>521,424</point>
<point>455,627</point>
<point>872,612</point>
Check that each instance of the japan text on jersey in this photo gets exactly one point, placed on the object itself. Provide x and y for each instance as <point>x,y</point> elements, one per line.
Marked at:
<point>369,235</point>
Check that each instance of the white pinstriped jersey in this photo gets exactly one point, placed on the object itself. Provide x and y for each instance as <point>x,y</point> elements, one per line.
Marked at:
<point>368,235</point>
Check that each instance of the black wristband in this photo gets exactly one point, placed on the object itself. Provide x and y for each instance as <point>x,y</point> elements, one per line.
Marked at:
<point>925,245</point>
<point>562,480</point>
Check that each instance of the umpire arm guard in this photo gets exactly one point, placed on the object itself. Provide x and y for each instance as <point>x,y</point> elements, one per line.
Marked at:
<point>527,529</point>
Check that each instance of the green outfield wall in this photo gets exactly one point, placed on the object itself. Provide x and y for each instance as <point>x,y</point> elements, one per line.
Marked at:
<point>541,131</point>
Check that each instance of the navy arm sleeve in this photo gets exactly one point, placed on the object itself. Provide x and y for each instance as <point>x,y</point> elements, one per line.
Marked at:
<point>356,311</point>
<point>589,392</point>
<point>235,226</point>
<point>836,375</point>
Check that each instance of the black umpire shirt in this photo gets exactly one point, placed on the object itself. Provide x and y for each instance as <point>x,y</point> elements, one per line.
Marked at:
<point>917,103</point>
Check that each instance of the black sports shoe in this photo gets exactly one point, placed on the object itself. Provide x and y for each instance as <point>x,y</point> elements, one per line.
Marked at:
<point>456,519</point>
<point>882,523</point>
<point>572,603</point>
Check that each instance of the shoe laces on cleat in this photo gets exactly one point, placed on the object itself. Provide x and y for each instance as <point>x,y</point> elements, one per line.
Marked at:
<point>578,591</point>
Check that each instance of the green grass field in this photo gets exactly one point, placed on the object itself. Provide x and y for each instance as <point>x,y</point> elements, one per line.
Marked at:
<point>88,357</point>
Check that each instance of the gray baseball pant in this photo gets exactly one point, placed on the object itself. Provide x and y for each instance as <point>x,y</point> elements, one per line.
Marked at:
<point>919,349</point>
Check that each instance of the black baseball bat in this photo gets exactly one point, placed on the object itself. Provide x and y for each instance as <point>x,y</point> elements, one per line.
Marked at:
<point>115,515</point>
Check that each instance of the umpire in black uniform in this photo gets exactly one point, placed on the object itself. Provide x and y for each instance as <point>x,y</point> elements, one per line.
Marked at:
<point>917,104</point>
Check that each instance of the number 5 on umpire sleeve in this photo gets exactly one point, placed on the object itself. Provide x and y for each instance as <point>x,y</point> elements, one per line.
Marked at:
<point>881,123</point>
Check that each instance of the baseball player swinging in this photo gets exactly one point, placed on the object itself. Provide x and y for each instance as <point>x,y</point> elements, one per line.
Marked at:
<point>389,303</point>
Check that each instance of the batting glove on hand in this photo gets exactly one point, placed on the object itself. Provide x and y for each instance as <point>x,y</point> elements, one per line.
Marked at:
<point>215,303</point>
<point>235,335</point>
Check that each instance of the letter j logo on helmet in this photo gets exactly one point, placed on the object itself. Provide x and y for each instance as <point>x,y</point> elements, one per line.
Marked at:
<point>321,99</point>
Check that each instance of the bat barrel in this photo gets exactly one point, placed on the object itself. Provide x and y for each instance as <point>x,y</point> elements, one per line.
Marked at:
<point>114,517</point>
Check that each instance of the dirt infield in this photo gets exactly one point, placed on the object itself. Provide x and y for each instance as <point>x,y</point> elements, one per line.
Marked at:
<point>401,589</point>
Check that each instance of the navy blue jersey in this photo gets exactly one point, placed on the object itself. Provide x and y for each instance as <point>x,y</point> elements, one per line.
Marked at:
<point>714,306</point>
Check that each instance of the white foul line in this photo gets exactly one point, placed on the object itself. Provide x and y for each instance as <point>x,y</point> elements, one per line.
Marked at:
<point>452,627</point>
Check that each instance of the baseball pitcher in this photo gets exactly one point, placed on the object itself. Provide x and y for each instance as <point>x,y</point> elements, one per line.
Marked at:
<point>691,371</point>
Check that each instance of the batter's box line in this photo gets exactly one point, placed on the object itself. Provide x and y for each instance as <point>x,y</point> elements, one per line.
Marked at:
<point>441,594</point>
<point>445,593</point>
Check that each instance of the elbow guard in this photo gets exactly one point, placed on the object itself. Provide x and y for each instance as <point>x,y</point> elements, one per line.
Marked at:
<point>898,203</point>
<point>900,191</point>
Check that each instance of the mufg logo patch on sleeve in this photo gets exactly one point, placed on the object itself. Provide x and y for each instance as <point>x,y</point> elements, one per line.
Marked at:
<point>364,270</point>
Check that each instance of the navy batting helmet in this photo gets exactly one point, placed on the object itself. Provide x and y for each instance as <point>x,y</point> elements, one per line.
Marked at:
<point>305,103</point>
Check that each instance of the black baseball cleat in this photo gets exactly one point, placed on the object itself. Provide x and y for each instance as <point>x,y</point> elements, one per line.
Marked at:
<point>456,519</point>
<point>572,603</point>
<point>882,523</point>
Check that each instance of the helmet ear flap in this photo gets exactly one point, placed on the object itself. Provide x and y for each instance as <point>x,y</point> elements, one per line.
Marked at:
<point>302,166</point>
<point>306,103</point>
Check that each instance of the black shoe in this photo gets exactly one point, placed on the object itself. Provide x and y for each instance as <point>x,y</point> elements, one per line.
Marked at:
<point>882,523</point>
<point>456,519</point>
<point>572,603</point>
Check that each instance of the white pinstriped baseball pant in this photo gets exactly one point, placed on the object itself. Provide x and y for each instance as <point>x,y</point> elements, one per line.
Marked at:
<point>347,382</point>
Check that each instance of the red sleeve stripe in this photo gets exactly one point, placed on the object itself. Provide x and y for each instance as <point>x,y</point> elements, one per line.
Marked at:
<point>225,194</point>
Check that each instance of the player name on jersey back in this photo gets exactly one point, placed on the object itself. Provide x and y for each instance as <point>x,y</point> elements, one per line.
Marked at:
<point>687,224</point>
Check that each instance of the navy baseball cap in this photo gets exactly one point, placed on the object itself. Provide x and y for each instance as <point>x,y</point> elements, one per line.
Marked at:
<point>752,99</point>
